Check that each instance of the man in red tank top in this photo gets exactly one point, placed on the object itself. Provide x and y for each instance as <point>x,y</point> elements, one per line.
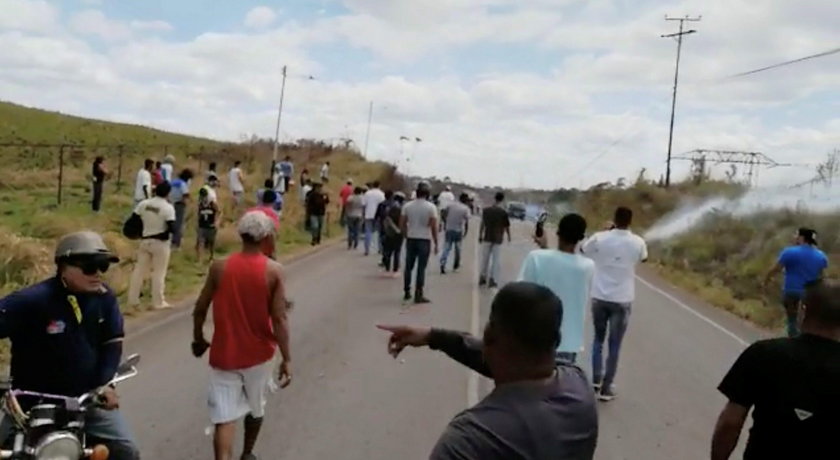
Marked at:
<point>250,320</point>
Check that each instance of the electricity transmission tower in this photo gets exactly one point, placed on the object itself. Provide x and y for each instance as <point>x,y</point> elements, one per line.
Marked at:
<point>679,36</point>
<point>752,161</point>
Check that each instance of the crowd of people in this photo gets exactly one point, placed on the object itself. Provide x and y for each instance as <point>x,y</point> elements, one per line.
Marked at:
<point>67,331</point>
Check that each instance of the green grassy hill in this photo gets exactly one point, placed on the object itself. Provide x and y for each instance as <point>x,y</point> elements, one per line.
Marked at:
<point>24,124</point>
<point>31,219</point>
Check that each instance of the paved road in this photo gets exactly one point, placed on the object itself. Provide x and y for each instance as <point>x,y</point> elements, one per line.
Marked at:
<point>350,400</point>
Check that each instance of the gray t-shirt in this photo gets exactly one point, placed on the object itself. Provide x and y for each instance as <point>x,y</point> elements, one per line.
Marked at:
<point>457,215</point>
<point>554,419</point>
<point>355,206</point>
<point>418,214</point>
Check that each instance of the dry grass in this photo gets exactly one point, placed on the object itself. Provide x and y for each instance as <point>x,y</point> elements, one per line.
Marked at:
<point>724,260</point>
<point>31,221</point>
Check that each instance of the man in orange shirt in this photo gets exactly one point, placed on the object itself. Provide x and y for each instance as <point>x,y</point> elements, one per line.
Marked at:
<point>344,194</point>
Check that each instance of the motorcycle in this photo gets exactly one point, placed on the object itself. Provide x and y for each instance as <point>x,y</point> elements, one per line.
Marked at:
<point>54,428</point>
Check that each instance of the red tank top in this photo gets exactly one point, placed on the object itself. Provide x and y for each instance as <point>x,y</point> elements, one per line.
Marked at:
<point>243,335</point>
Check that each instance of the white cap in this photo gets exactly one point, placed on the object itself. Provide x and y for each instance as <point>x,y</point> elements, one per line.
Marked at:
<point>256,224</point>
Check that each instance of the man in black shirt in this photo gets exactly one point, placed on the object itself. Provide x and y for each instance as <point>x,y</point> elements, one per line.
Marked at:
<point>541,409</point>
<point>792,385</point>
<point>494,225</point>
<point>316,209</point>
<point>98,172</point>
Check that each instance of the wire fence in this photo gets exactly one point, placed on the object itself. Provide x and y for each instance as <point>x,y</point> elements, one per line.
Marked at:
<point>61,157</point>
<point>123,158</point>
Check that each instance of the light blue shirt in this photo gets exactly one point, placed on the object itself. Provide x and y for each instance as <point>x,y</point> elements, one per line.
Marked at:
<point>569,276</point>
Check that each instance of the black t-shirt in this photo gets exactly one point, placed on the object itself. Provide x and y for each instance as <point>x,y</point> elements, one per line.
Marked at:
<point>794,387</point>
<point>97,173</point>
<point>316,203</point>
<point>495,221</point>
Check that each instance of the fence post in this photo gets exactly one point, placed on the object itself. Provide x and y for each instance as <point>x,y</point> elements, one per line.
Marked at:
<point>60,171</point>
<point>119,166</point>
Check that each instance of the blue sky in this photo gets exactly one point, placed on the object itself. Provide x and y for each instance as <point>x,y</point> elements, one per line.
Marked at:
<point>500,91</point>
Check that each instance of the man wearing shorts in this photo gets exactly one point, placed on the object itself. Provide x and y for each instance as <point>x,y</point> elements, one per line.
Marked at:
<point>209,214</point>
<point>802,263</point>
<point>250,319</point>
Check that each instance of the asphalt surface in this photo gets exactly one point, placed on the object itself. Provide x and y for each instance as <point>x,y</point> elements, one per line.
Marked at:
<point>350,400</point>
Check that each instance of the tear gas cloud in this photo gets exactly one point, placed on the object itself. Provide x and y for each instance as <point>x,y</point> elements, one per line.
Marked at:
<point>693,212</point>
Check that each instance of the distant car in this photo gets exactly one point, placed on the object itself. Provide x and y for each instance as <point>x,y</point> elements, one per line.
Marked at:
<point>517,210</point>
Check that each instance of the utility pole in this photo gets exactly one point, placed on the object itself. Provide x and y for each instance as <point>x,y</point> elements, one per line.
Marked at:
<point>279,114</point>
<point>679,36</point>
<point>367,135</point>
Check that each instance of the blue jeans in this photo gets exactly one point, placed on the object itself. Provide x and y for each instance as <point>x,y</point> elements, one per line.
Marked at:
<point>101,427</point>
<point>453,240</point>
<point>354,225</point>
<point>615,317</point>
<point>370,229</point>
<point>490,261</point>
<point>180,212</point>
<point>391,252</point>
<point>791,301</point>
<point>417,252</point>
<point>316,224</point>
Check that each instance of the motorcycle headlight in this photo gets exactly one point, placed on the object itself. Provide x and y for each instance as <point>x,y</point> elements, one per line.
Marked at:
<point>59,446</point>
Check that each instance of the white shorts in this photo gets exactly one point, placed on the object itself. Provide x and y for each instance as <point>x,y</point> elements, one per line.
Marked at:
<point>234,394</point>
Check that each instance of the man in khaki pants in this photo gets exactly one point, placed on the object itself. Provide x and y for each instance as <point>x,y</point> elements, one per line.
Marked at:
<point>158,217</point>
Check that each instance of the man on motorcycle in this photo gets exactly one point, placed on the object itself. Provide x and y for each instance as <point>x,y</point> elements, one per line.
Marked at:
<point>66,335</point>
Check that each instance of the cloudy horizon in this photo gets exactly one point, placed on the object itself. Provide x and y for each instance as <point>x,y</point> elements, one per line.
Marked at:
<point>536,93</point>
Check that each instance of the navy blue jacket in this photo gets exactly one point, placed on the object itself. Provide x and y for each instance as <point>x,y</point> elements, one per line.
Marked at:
<point>52,351</point>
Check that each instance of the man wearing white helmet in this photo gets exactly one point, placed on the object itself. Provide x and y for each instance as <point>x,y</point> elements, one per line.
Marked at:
<point>67,334</point>
<point>247,292</point>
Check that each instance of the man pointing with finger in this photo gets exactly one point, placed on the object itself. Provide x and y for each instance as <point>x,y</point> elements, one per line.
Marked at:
<point>250,319</point>
<point>541,409</point>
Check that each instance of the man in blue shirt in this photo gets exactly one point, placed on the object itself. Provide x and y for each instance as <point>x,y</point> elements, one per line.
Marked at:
<point>569,276</point>
<point>802,263</point>
<point>286,170</point>
<point>66,335</point>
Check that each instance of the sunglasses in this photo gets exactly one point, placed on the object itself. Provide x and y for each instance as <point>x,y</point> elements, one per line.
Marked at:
<point>90,266</point>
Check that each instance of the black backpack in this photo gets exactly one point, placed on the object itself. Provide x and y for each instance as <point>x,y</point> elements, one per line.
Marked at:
<point>133,227</point>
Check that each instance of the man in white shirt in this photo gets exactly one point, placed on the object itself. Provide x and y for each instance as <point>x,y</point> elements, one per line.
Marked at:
<point>237,188</point>
<point>143,184</point>
<point>616,253</point>
<point>325,172</point>
<point>419,224</point>
<point>372,199</point>
<point>168,167</point>
<point>445,199</point>
<point>158,217</point>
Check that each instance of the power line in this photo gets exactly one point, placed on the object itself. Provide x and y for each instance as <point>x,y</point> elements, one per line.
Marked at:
<point>679,36</point>
<point>786,63</point>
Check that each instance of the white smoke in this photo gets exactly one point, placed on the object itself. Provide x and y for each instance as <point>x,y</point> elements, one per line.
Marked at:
<point>693,213</point>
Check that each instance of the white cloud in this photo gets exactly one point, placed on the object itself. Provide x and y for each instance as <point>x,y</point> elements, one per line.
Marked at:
<point>607,98</point>
<point>29,15</point>
<point>156,26</point>
<point>95,23</point>
<point>260,17</point>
